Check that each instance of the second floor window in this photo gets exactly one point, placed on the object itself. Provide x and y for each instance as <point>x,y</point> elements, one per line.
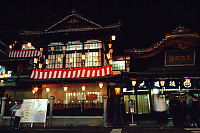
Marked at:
<point>118,65</point>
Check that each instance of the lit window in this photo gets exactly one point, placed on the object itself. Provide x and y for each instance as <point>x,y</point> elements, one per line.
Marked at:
<point>118,65</point>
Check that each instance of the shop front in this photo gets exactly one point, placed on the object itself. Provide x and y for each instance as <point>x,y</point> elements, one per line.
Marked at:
<point>170,67</point>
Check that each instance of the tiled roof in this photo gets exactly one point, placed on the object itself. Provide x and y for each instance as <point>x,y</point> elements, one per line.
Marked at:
<point>51,29</point>
<point>179,32</point>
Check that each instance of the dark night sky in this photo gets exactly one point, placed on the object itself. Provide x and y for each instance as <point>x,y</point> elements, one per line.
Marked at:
<point>144,21</point>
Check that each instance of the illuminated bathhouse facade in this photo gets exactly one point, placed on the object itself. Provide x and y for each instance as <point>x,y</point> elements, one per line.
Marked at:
<point>72,60</point>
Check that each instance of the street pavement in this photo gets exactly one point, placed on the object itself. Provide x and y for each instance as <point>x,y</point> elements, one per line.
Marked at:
<point>102,130</point>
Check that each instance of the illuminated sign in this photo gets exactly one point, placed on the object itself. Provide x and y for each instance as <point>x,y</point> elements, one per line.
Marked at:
<point>179,57</point>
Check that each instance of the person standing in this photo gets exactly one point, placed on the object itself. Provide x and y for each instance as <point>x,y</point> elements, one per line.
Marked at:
<point>176,111</point>
<point>160,107</point>
<point>18,114</point>
<point>189,102</point>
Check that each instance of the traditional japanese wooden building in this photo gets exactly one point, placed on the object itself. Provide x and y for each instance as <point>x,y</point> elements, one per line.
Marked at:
<point>72,60</point>
<point>171,66</point>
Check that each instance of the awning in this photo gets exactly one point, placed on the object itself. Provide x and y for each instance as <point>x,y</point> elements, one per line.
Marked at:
<point>71,73</point>
<point>24,53</point>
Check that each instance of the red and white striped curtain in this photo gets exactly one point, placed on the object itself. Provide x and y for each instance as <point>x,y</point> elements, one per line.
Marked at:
<point>71,73</point>
<point>24,53</point>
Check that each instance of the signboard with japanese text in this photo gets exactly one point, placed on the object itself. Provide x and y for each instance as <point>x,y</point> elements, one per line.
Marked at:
<point>172,84</point>
<point>34,110</point>
<point>155,84</point>
<point>179,57</point>
<point>142,85</point>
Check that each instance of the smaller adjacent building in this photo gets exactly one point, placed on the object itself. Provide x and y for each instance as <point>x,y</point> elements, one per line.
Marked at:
<point>171,67</point>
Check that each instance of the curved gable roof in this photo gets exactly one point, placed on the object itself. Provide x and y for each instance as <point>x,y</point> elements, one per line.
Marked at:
<point>176,36</point>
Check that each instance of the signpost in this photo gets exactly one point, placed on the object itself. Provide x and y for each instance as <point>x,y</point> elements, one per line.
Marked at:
<point>34,111</point>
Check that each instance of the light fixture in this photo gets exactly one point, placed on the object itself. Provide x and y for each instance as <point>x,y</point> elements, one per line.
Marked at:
<point>64,48</point>
<point>59,59</point>
<point>88,46</point>
<point>111,51</point>
<point>108,55</point>
<point>117,91</point>
<point>101,85</point>
<point>76,47</point>
<point>110,61</point>
<point>96,58</point>
<point>83,87</point>
<point>52,48</point>
<point>162,83</point>
<point>10,46</point>
<point>36,89</point>
<point>47,90</point>
<point>113,37</point>
<point>40,65</point>
<point>134,83</point>
<point>71,60</point>
<point>35,60</point>
<point>29,44</point>
<point>41,49</point>
<point>46,61</point>
<point>33,91</point>
<point>65,88</point>
<point>110,45</point>
<point>187,82</point>
<point>100,46</point>
<point>24,46</point>
<point>83,56</point>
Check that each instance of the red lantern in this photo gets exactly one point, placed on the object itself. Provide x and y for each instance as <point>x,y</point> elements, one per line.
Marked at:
<point>110,45</point>
<point>88,46</point>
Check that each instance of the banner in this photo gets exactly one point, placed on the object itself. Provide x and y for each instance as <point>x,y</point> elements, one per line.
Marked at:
<point>34,110</point>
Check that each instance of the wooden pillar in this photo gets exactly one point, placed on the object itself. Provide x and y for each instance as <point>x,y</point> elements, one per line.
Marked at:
<point>51,110</point>
<point>3,105</point>
<point>105,113</point>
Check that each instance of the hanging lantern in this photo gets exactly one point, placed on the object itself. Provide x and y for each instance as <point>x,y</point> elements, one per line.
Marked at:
<point>83,56</point>
<point>36,89</point>
<point>33,91</point>
<point>41,49</point>
<point>10,46</point>
<point>108,55</point>
<point>52,48</point>
<point>111,61</point>
<point>24,46</point>
<point>117,91</point>
<point>187,82</point>
<point>88,46</point>
<point>46,61</point>
<point>83,87</point>
<point>59,59</point>
<point>71,60</point>
<point>76,47</point>
<point>35,60</point>
<point>96,58</point>
<point>47,90</point>
<point>162,83</point>
<point>40,65</point>
<point>110,45</point>
<point>113,37</point>
<point>111,51</point>
<point>100,46</point>
<point>134,83</point>
<point>101,85</point>
<point>65,88</point>
<point>29,44</point>
<point>64,48</point>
